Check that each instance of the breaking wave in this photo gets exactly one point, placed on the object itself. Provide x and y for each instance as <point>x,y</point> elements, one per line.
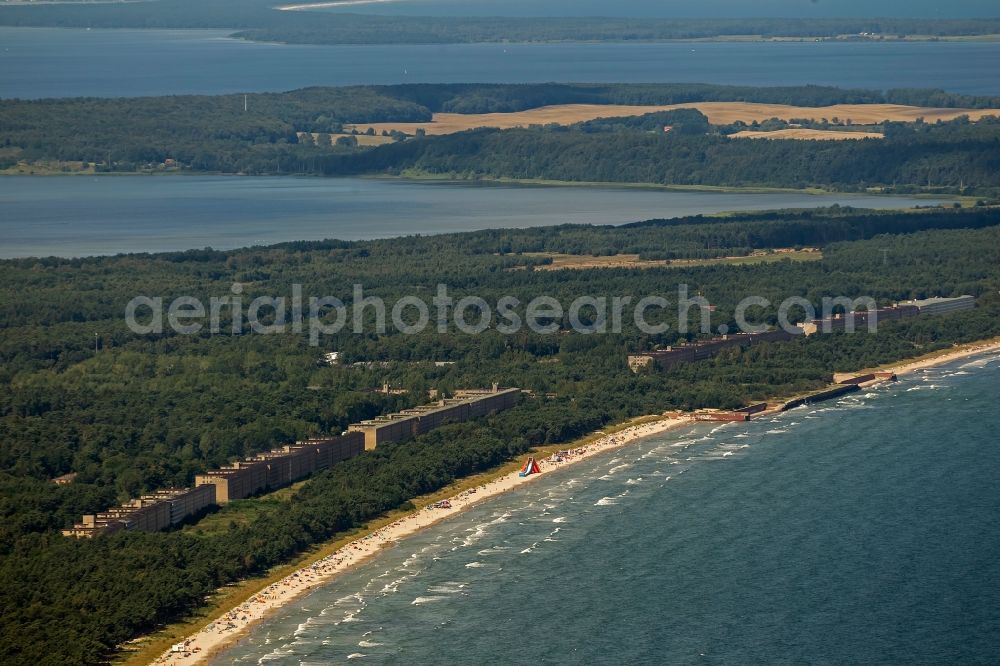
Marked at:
<point>427,600</point>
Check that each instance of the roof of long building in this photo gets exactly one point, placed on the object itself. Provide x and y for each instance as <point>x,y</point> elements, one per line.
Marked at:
<point>923,302</point>
<point>464,396</point>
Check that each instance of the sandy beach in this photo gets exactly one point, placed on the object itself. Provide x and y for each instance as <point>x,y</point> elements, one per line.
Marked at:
<point>946,356</point>
<point>227,628</point>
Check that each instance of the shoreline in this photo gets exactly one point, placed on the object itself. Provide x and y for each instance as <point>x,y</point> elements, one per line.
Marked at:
<point>942,357</point>
<point>441,179</point>
<point>237,34</point>
<point>527,183</point>
<point>232,624</point>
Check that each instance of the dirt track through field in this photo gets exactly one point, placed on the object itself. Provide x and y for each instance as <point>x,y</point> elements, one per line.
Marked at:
<point>807,134</point>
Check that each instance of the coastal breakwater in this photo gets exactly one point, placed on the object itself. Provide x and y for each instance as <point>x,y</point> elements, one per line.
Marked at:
<point>819,396</point>
<point>232,623</point>
<point>741,414</point>
<point>766,500</point>
<point>227,627</point>
<point>846,383</point>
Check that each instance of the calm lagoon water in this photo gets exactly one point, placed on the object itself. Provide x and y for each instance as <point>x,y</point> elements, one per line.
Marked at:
<point>676,8</point>
<point>81,215</point>
<point>52,62</point>
<point>860,531</point>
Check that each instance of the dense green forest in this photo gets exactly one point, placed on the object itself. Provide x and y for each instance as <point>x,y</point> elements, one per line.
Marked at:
<point>373,30</point>
<point>80,392</point>
<point>260,21</point>
<point>216,133</point>
<point>220,134</point>
<point>504,98</point>
<point>958,156</point>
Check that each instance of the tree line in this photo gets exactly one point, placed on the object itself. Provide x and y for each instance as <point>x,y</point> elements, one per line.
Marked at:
<point>260,134</point>
<point>953,156</point>
<point>143,412</point>
<point>257,20</point>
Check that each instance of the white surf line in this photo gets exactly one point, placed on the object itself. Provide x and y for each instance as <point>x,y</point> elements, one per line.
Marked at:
<point>229,626</point>
<point>962,352</point>
<point>332,3</point>
<point>226,628</point>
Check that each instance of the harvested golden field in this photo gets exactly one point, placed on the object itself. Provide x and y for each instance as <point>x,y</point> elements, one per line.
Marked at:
<point>578,261</point>
<point>719,113</point>
<point>807,134</point>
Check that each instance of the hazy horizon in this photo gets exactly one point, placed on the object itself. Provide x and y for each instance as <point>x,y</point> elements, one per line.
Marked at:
<point>686,8</point>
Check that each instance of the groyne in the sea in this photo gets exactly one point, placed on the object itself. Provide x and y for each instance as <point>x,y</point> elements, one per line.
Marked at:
<point>819,396</point>
<point>866,379</point>
<point>846,383</point>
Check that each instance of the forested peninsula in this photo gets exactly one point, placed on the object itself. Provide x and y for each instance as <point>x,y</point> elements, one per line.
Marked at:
<point>262,20</point>
<point>308,132</point>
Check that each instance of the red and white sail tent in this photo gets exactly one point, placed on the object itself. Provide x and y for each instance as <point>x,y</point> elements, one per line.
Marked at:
<point>530,467</point>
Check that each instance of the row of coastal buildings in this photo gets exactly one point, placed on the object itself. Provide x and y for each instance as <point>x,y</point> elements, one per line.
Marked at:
<point>280,467</point>
<point>691,352</point>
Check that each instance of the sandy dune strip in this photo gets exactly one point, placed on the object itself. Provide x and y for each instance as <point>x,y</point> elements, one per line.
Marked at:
<point>941,358</point>
<point>231,625</point>
<point>226,629</point>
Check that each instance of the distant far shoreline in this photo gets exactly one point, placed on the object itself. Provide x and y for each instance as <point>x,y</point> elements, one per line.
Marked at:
<point>31,3</point>
<point>417,177</point>
<point>320,22</point>
<point>248,36</point>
